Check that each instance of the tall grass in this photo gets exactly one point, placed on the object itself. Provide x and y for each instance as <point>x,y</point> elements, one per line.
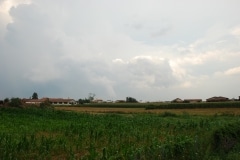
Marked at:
<point>51,134</point>
<point>164,105</point>
<point>193,105</point>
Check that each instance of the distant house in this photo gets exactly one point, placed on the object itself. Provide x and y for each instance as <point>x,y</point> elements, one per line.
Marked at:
<point>33,101</point>
<point>217,99</point>
<point>53,101</point>
<point>97,101</point>
<point>177,100</point>
<point>192,100</point>
<point>120,101</point>
<point>109,101</point>
<point>62,101</point>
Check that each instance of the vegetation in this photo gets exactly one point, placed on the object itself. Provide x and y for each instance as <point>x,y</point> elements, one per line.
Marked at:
<point>45,105</point>
<point>91,96</point>
<point>83,101</point>
<point>234,104</point>
<point>131,100</point>
<point>161,105</point>
<point>15,102</point>
<point>49,134</point>
<point>114,105</point>
<point>6,100</point>
<point>35,95</point>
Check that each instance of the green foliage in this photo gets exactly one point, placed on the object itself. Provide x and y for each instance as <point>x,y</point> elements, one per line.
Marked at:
<point>226,137</point>
<point>83,101</point>
<point>161,105</point>
<point>6,100</point>
<point>15,102</point>
<point>49,134</point>
<point>131,100</point>
<point>193,105</point>
<point>46,104</point>
<point>168,114</point>
<point>115,105</point>
<point>35,95</point>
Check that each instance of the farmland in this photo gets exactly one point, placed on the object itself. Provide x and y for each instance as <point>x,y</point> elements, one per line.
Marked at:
<point>195,111</point>
<point>34,133</point>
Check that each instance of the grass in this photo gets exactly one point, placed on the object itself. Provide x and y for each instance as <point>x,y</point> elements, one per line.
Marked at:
<point>163,105</point>
<point>195,111</point>
<point>54,134</point>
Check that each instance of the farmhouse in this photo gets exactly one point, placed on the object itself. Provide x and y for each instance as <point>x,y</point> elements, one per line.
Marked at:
<point>177,100</point>
<point>53,101</point>
<point>61,101</point>
<point>192,100</point>
<point>217,99</point>
<point>33,101</point>
<point>120,101</point>
<point>97,101</point>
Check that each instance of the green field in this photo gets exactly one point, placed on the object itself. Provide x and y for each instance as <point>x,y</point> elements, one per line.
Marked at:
<point>50,134</point>
<point>166,105</point>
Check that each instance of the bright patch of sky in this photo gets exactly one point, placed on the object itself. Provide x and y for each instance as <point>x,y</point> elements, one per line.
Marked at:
<point>150,50</point>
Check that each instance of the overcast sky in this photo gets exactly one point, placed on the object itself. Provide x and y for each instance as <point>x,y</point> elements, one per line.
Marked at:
<point>152,50</point>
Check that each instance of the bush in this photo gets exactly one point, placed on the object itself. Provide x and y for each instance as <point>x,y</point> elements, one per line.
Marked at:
<point>15,102</point>
<point>46,104</point>
<point>226,138</point>
<point>6,100</point>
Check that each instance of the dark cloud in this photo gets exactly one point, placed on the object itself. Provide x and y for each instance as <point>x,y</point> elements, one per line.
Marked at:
<point>67,49</point>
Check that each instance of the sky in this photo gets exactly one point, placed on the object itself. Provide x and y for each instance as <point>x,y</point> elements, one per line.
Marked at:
<point>151,50</point>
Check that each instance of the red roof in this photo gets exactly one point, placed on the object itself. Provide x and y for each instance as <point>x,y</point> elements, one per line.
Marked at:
<point>60,100</point>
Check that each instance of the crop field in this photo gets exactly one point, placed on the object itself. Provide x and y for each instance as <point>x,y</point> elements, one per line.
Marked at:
<point>209,108</point>
<point>34,133</point>
<point>194,111</point>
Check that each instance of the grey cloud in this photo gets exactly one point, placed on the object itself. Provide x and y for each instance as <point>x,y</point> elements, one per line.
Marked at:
<point>66,48</point>
<point>148,72</point>
<point>161,32</point>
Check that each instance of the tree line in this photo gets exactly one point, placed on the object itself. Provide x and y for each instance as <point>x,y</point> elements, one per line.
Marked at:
<point>17,102</point>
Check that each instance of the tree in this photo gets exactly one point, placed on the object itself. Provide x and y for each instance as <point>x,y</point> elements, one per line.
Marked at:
<point>91,96</point>
<point>35,95</point>
<point>6,100</point>
<point>131,100</point>
<point>82,101</point>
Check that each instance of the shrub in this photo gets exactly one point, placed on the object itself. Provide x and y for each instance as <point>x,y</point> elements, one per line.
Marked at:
<point>15,102</point>
<point>45,104</point>
<point>226,138</point>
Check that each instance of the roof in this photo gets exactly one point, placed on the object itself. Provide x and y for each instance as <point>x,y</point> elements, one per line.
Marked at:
<point>34,100</point>
<point>60,100</point>
<point>220,98</point>
<point>56,100</point>
<point>192,99</point>
<point>177,100</point>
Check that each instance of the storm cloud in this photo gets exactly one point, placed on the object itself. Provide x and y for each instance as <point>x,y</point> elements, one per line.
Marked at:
<point>150,50</point>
